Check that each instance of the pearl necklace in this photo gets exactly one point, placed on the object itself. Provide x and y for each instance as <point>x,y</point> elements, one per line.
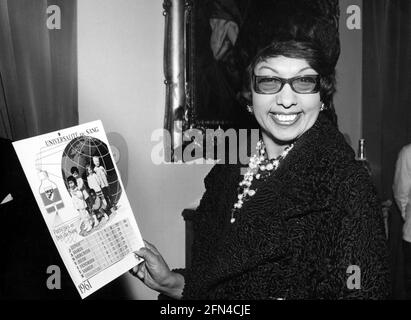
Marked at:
<point>259,167</point>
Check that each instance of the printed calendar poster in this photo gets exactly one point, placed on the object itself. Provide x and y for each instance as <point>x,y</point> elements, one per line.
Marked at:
<point>80,194</point>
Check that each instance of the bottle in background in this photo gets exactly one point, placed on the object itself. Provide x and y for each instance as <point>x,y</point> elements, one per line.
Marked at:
<point>361,156</point>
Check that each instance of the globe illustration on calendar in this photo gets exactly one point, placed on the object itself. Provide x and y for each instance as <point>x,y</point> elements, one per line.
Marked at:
<point>82,153</point>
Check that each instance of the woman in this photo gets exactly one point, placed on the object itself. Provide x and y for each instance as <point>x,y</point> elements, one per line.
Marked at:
<point>304,222</point>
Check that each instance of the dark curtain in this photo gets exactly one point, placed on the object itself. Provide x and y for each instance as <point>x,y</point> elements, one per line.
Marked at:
<point>38,68</point>
<point>387,105</point>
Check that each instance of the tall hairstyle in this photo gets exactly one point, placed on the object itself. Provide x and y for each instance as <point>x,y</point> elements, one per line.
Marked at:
<point>304,29</point>
<point>315,59</point>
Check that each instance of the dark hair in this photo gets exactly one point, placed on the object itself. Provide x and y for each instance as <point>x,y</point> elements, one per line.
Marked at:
<point>71,178</point>
<point>74,169</point>
<point>315,59</point>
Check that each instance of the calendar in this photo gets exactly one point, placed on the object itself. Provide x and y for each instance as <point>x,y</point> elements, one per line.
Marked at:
<point>78,188</point>
<point>103,249</point>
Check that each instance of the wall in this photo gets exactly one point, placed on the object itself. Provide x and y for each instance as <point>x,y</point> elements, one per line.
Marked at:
<point>348,99</point>
<point>120,80</point>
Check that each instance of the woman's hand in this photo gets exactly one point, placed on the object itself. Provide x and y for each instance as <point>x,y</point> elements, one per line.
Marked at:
<point>155,273</point>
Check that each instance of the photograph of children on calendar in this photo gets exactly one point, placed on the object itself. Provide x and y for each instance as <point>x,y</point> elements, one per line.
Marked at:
<point>92,182</point>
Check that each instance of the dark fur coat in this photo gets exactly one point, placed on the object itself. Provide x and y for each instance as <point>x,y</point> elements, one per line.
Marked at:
<point>312,219</point>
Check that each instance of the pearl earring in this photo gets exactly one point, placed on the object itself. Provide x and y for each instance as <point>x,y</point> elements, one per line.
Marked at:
<point>322,107</point>
<point>249,108</point>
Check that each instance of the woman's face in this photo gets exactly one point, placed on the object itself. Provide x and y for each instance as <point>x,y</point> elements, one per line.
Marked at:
<point>286,115</point>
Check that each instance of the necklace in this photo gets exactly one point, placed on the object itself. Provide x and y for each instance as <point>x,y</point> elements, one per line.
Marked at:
<point>260,168</point>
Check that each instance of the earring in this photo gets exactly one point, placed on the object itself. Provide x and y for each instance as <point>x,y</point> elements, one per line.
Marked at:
<point>322,107</point>
<point>250,109</point>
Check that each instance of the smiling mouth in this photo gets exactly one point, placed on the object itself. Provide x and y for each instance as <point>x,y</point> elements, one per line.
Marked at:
<point>285,119</point>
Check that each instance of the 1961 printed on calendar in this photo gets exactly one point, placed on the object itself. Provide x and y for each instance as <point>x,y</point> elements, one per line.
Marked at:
<point>78,189</point>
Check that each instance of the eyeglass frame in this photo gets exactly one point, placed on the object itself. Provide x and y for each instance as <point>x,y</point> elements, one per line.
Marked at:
<point>284,81</point>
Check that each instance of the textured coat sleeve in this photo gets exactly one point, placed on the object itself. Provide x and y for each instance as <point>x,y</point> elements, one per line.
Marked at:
<point>204,226</point>
<point>206,212</point>
<point>361,248</point>
<point>203,213</point>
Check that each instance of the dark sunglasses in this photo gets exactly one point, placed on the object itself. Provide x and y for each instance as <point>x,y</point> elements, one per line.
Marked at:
<point>301,84</point>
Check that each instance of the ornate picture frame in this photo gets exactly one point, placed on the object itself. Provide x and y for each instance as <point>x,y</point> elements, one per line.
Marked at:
<point>203,82</point>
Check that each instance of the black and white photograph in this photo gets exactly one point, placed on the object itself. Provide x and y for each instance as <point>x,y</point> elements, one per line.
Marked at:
<point>263,148</point>
<point>91,180</point>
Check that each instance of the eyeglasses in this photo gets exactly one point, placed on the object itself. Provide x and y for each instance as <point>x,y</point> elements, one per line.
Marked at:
<point>301,84</point>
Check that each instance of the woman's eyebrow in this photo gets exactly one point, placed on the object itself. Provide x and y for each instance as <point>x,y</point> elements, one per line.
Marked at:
<point>306,68</point>
<point>267,67</point>
<point>274,70</point>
